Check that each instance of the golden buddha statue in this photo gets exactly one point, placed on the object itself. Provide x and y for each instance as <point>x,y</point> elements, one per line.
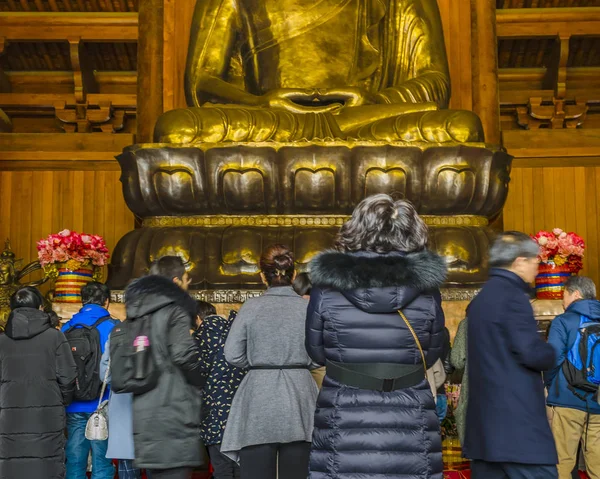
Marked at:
<point>10,280</point>
<point>301,70</point>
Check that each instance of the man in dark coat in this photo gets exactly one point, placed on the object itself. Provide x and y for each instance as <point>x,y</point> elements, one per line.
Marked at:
<point>166,420</point>
<point>507,431</point>
<point>37,380</point>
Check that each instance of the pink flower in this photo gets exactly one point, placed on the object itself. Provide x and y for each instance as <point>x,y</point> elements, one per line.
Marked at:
<point>557,231</point>
<point>70,245</point>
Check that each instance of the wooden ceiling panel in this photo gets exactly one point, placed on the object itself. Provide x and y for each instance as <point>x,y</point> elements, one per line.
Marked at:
<point>537,52</point>
<point>113,56</point>
<point>524,53</point>
<point>546,3</point>
<point>584,52</point>
<point>54,56</point>
<point>69,5</point>
<point>36,56</point>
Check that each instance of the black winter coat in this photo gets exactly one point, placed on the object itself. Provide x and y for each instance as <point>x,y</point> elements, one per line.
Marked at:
<point>506,414</point>
<point>37,380</point>
<point>353,318</point>
<point>166,420</point>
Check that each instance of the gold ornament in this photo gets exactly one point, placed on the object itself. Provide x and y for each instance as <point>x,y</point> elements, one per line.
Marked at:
<point>10,279</point>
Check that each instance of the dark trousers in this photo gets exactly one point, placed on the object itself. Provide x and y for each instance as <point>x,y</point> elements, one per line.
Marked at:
<point>261,462</point>
<point>224,468</point>
<point>179,473</point>
<point>511,470</point>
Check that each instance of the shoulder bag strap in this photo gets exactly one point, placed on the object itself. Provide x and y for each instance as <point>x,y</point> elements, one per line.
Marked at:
<point>414,335</point>
<point>103,390</point>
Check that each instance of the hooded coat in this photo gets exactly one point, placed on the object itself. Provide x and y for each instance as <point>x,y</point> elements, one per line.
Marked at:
<point>563,333</point>
<point>166,420</point>
<point>37,381</point>
<point>353,318</point>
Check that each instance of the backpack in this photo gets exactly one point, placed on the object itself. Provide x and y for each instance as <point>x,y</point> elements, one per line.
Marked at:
<point>87,353</point>
<point>133,364</point>
<point>582,365</point>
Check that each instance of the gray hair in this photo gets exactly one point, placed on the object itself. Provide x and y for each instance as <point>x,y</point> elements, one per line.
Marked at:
<point>584,285</point>
<point>509,246</point>
<point>381,225</point>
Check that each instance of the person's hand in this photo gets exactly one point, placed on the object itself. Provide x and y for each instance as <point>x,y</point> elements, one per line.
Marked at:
<point>296,101</point>
<point>349,96</point>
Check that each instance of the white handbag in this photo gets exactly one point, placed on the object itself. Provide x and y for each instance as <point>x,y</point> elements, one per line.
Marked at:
<point>96,428</point>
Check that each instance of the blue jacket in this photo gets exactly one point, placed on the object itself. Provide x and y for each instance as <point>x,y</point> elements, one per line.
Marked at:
<point>88,315</point>
<point>506,411</point>
<point>563,333</point>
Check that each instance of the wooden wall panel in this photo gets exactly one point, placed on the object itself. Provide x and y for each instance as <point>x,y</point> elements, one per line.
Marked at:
<point>567,198</point>
<point>456,18</point>
<point>37,203</point>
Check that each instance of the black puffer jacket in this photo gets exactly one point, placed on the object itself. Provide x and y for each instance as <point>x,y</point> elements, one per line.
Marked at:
<point>37,380</point>
<point>353,318</point>
<point>166,420</point>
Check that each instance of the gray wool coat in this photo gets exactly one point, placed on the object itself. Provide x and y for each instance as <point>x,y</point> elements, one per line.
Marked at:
<point>271,405</point>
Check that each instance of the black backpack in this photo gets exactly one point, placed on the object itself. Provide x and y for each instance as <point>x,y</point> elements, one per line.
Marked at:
<point>133,367</point>
<point>87,353</point>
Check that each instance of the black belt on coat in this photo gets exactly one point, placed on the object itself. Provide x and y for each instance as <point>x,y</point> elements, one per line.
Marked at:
<point>288,366</point>
<point>384,377</point>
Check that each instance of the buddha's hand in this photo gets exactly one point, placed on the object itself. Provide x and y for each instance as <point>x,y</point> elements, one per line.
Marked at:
<point>296,101</point>
<point>348,96</point>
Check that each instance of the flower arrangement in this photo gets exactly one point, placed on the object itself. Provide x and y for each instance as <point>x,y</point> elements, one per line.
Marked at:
<point>561,248</point>
<point>74,249</point>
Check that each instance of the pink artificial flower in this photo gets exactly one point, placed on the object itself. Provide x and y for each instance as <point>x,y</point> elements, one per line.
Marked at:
<point>557,231</point>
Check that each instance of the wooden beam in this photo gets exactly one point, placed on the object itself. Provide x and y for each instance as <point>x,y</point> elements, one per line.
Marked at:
<point>580,143</point>
<point>547,22</point>
<point>150,68</point>
<point>88,26</point>
<point>48,100</point>
<point>484,55</point>
<point>59,151</point>
<point>5,85</point>
<point>83,73</point>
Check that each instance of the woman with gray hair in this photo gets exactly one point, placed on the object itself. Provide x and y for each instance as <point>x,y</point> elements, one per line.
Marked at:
<point>375,320</point>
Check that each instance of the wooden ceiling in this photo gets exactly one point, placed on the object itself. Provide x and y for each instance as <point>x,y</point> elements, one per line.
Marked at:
<point>68,5</point>
<point>54,56</point>
<point>538,52</point>
<point>546,3</point>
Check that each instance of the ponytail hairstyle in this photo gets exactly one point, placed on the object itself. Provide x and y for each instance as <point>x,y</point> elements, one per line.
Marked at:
<point>277,265</point>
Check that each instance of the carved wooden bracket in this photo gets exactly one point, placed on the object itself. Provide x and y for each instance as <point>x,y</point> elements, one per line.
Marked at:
<point>557,114</point>
<point>84,118</point>
<point>83,74</point>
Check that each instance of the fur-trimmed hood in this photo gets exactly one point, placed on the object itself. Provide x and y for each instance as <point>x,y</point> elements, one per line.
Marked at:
<point>379,282</point>
<point>150,293</point>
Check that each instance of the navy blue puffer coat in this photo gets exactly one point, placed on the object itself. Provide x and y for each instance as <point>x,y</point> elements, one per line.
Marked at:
<point>353,318</point>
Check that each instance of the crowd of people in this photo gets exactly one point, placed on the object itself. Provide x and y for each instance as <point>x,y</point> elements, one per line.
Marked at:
<point>335,374</point>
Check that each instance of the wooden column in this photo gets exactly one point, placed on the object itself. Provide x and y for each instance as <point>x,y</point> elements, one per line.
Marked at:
<point>150,68</point>
<point>485,68</point>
